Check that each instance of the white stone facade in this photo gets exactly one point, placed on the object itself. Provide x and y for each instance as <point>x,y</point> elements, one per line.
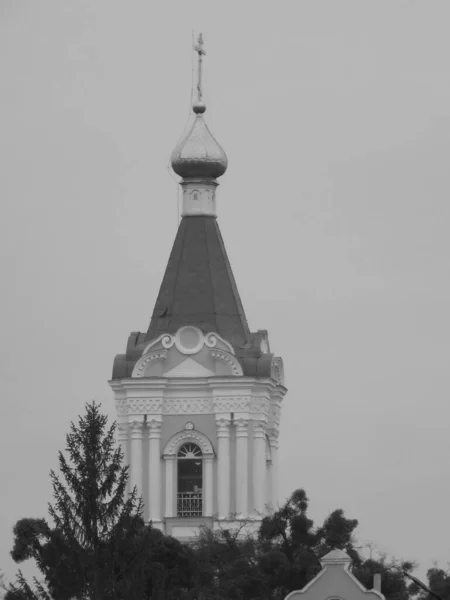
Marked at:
<point>189,389</point>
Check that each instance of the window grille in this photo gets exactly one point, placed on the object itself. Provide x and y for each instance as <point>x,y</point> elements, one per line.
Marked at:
<point>189,504</point>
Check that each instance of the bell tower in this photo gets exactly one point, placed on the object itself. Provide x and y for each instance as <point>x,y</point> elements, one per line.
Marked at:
<point>198,396</point>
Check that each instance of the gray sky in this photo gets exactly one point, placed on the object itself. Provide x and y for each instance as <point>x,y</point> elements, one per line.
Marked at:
<point>335,209</point>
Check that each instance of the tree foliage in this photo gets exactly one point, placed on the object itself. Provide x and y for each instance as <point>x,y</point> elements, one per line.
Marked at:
<point>283,556</point>
<point>438,581</point>
<point>96,545</point>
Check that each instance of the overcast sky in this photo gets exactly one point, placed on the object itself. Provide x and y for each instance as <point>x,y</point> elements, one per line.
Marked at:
<point>335,116</point>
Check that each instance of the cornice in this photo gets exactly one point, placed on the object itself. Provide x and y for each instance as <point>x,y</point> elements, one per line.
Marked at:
<point>213,383</point>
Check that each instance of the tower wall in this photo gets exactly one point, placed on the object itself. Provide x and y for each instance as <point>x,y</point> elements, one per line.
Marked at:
<point>202,398</point>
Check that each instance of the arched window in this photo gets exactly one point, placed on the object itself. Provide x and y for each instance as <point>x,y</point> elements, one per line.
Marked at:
<point>190,481</point>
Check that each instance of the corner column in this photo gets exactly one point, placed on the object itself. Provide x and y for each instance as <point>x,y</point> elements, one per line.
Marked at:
<point>136,468</point>
<point>242,468</point>
<point>259,466</point>
<point>223,470</point>
<point>154,462</point>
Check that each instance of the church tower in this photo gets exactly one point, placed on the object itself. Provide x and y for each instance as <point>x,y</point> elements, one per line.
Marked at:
<point>198,396</point>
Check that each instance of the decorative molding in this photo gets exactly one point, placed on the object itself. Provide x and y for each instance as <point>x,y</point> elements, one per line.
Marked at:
<point>144,406</point>
<point>211,340</point>
<point>167,341</point>
<point>192,348</point>
<point>223,427</point>
<point>182,437</point>
<point>241,427</point>
<point>197,406</point>
<point>189,426</point>
<point>121,406</point>
<point>260,405</point>
<point>229,404</point>
<point>154,425</point>
<point>137,430</point>
<point>231,361</point>
<point>139,368</point>
<point>187,406</point>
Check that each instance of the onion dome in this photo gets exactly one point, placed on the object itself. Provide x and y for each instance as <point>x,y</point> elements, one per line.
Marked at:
<point>199,154</point>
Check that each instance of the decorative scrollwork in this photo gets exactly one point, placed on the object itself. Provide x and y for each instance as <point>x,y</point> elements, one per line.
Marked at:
<point>211,340</point>
<point>167,341</point>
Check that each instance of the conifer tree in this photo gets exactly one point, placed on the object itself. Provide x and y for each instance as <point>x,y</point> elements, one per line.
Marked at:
<point>95,548</point>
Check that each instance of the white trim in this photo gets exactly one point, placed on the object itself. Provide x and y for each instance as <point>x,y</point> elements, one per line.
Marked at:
<point>180,438</point>
<point>168,340</point>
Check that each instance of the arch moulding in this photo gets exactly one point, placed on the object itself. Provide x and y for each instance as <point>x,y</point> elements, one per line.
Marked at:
<point>180,438</point>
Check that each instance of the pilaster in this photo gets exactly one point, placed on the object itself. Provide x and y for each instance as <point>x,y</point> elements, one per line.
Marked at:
<point>259,466</point>
<point>208,485</point>
<point>169,499</point>
<point>154,428</point>
<point>223,467</point>
<point>242,467</point>
<point>137,434</point>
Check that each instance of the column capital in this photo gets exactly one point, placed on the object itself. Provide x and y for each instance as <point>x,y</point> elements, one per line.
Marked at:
<point>223,427</point>
<point>169,457</point>
<point>154,429</point>
<point>137,430</point>
<point>241,427</point>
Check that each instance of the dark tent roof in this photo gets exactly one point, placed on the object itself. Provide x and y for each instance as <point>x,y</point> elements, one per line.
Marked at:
<point>198,287</point>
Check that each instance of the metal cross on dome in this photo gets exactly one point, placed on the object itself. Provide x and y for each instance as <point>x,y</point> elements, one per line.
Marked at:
<point>199,49</point>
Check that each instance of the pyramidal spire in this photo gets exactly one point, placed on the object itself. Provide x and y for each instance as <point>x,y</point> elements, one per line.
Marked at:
<point>199,159</point>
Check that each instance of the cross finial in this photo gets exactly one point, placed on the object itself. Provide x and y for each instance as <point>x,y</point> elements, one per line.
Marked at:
<point>199,49</point>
